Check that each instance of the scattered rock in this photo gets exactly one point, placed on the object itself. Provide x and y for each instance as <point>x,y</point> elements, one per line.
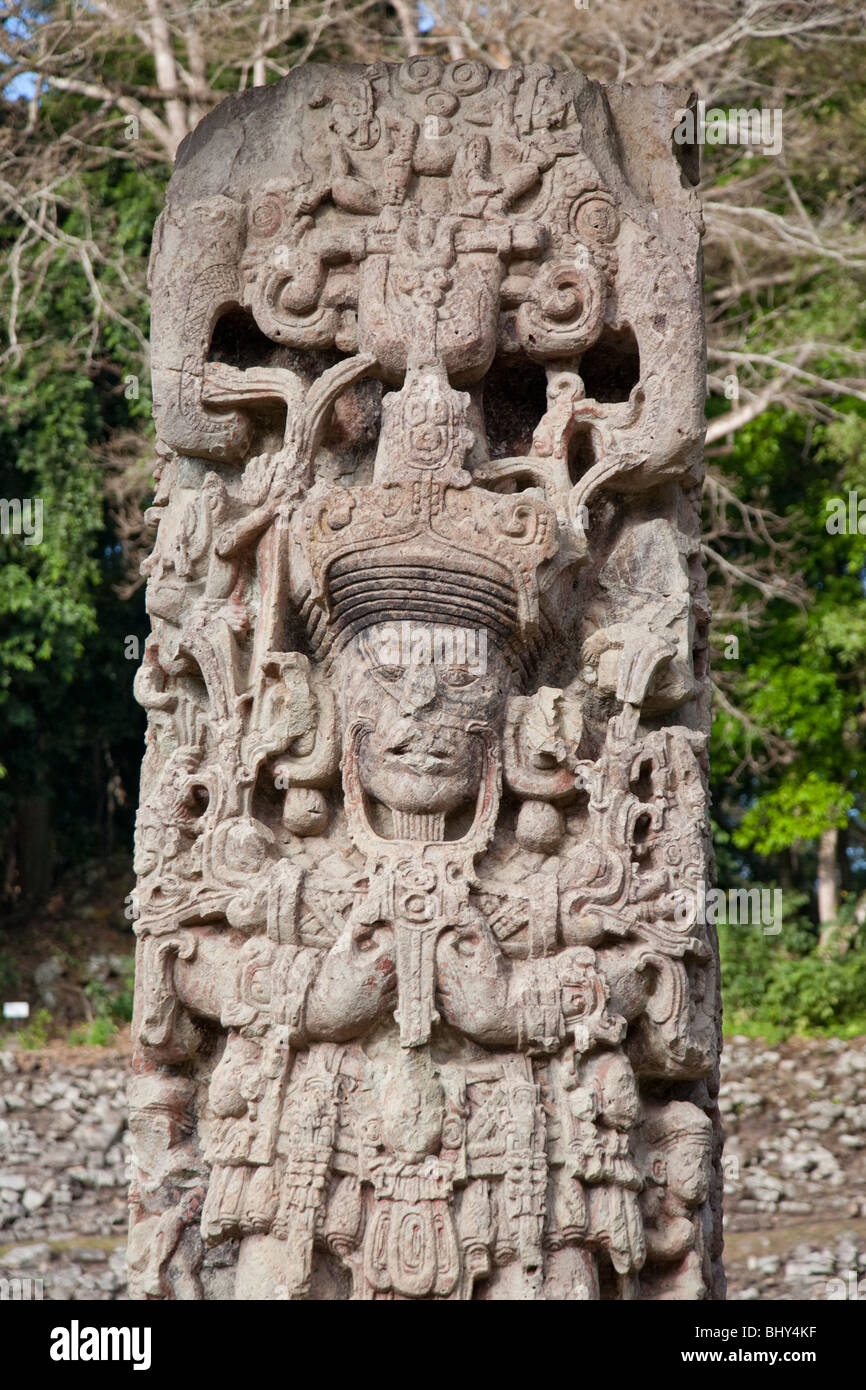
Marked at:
<point>62,1174</point>
<point>27,1257</point>
<point>795,1164</point>
<point>45,977</point>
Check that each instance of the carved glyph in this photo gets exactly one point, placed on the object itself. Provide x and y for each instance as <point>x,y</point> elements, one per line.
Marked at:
<point>417,1015</point>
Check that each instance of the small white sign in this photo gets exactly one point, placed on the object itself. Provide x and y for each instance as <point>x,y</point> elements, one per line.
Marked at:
<point>16,1010</point>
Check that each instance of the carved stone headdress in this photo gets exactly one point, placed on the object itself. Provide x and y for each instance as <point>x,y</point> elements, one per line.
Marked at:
<point>421,554</point>
<point>418,543</point>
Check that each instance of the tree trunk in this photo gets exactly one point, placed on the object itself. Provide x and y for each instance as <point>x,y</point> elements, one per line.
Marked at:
<point>35,850</point>
<point>829,879</point>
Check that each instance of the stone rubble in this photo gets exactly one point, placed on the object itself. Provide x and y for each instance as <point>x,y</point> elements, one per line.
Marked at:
<point>64,1174</point>
<point>795,1171</point>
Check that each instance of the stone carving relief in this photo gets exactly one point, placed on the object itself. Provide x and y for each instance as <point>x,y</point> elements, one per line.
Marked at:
<point>425,776</point>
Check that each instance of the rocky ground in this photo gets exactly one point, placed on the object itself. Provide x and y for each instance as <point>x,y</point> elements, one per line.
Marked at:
<point>795,1170</point>
<point>63,1171</point>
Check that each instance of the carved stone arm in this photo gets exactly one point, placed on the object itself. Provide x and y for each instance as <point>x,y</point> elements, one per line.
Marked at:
<point>536,1004</point>
<point>205,979</point>
<point>356,984</point>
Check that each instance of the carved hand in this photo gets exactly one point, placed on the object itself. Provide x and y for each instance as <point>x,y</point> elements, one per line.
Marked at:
<point>473,980</point>
<point>356,984</point>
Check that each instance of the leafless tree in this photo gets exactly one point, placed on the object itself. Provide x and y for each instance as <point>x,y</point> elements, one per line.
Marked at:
<point>769,249</point>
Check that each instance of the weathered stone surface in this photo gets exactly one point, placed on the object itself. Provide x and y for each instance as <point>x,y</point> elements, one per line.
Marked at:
<point>424,1009</point>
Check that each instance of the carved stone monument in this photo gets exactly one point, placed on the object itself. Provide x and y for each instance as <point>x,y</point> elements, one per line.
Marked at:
<point>425,1008</point>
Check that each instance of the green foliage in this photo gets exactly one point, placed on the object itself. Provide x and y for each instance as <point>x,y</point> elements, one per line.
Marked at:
<point>100,1033</point>
<point>773,986</point>
<point>122,1003</point>
<point>793,765</point>
<point>67,723</point>
<point>815,994</point>
<point>791,762</point>
<point>109,1008</point>
<point>788,757</point>
<point>36,1033</point>
<point>114,1005</point>
<point>798,808</point>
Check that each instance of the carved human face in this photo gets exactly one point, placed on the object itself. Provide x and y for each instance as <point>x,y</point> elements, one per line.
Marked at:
<point>147,845</point>
<point>688,1171</point>
<point>417,690</point>
<point>161,1142</point>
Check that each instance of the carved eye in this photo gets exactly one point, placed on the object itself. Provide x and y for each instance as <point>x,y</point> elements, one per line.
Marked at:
<point>467,77</point>
<point>417,74</point>
<point>457,676</point>
<point>391,673</point>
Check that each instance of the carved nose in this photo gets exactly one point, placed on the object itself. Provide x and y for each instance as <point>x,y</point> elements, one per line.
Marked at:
<point>419,689</point>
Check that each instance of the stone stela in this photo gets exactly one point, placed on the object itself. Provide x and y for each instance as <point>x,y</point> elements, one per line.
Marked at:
<point>428,702</point>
